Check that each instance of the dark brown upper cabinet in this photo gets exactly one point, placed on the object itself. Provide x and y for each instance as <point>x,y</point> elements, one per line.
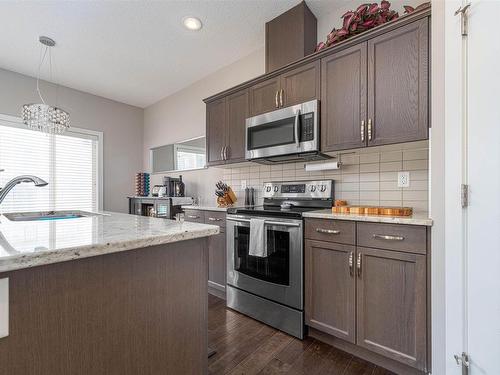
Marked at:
<point>391,305</point>
<point>330,294</point>
<point>226,128</point>
<point>237,113</point>
<point>264,96</point>
<point>290,36</point>
<point>344,99</point>
<point>292,87</point>
<point>216,131</point>
<point>398,85</point>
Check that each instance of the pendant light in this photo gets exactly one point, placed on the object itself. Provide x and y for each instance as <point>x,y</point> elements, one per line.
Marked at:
<point>41,116</point>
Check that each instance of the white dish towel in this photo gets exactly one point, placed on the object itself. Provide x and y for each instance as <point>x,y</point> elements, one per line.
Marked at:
<point>257,246</point>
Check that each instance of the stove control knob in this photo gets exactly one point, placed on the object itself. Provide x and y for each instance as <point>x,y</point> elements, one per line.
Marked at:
<point>322,188</point>
<point>313,188</point>
<point>268,189</point>
<point>276,189</point>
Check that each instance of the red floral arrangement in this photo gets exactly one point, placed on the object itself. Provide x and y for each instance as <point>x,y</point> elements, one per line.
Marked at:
<point>365,17</point>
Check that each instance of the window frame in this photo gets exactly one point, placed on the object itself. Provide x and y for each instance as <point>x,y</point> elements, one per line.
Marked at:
<point>16,122</point>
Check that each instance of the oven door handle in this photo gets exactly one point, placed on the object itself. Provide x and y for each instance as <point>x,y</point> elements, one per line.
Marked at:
<point>268,222</point>
<point>296,128</point>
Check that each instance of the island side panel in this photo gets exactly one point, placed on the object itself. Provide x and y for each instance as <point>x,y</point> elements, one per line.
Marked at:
<point>141,311</point>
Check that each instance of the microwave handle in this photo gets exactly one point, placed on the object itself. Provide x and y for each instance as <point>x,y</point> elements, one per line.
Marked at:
<point>296,128</point>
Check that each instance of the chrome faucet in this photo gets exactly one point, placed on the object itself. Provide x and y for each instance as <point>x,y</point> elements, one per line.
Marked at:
<point>17,180</point>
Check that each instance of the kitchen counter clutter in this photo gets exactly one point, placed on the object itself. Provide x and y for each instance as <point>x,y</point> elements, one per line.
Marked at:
<point>25,244</point>
<point>418,218</point>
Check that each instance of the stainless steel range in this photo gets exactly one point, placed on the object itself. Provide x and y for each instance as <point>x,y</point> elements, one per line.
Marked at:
<point>265,253</point>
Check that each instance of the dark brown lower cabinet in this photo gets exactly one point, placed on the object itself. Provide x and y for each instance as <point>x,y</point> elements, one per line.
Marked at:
<point>217,260</point>
<point>391,305</point>
<point>374,300</point>
<point>330,288</point>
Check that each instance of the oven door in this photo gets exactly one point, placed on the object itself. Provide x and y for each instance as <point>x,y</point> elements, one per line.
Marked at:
<point>277,277</point>
<point>286,131</point>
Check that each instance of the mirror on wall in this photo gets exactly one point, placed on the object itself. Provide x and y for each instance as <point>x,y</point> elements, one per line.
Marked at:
<point>181,156</point>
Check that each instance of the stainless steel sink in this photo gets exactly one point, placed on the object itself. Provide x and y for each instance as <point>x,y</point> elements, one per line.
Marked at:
<point>47,215</point>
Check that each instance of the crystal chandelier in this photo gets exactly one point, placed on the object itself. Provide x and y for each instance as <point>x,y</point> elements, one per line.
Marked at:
<point>43,117</point>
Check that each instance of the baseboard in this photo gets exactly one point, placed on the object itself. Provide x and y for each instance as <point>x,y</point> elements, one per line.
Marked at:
<point>217,290</point>
<point>389,364</point>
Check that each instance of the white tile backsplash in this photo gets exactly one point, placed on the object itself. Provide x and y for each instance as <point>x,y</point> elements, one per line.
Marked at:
<point>367,176</point>
<point>364,178</point>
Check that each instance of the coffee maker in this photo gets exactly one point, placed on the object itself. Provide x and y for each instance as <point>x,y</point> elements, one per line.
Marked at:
<point>174,186</point>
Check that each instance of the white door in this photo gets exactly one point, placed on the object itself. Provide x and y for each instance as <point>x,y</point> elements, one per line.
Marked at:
<point>473,271</point>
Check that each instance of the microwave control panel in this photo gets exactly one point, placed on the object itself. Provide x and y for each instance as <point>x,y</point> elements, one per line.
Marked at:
<point>307,127</point>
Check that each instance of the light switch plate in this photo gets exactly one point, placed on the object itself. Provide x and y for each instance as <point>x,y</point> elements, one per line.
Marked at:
<point>4,307</point>
<point>403,179</point>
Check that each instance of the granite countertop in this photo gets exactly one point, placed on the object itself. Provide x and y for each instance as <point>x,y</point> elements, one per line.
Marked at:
<point>25,244</point>
<point>418,218</point>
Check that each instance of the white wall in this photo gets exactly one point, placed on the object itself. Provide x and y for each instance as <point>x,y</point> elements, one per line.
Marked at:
<point>182,116</point>
<point>120,123</point>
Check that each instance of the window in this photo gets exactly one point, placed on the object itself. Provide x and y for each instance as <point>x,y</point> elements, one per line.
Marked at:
<point>70,163</point>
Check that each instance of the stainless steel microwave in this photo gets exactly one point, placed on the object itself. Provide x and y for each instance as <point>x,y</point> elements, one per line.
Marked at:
<point>284,135</point>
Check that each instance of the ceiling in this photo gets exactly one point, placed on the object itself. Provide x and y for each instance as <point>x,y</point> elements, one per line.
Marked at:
<point>136,52</point>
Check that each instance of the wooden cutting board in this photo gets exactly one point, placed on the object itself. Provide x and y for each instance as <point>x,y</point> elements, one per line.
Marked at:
<point>373,210</point>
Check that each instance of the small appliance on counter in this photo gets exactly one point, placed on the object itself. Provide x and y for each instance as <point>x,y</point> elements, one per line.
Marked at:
<point>159,191</point>
<point>174,187</point>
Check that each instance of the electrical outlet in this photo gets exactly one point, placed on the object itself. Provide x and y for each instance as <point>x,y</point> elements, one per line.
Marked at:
<point>243,184</point>
<point>403,179</point>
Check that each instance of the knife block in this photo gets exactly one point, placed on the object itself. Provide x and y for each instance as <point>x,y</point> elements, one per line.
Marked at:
<point>228,199</point>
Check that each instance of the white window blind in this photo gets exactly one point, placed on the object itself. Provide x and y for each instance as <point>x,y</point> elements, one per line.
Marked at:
<point>69,163</point>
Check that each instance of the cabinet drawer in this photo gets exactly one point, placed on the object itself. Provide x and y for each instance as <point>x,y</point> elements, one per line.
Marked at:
<point>400,237</point>
<point>195,216</point>
<point>216,218</point>
<point>331,230</point>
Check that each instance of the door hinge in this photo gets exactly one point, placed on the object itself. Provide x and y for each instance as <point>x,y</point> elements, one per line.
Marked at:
<point>464,195</point>
<point>464,19</point>
<point>463,360</point>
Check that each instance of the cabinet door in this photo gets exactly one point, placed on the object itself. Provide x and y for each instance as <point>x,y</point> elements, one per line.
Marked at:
<point>194,216</point>
<point>264,96</point>
<point>216,128</point>
<point>217,259</point>
<point>301,84</point>
<point>237,113</point>
<point>343,99</point>
<point>391,305</point>
<point>330,288</point>
<point>398,85</point>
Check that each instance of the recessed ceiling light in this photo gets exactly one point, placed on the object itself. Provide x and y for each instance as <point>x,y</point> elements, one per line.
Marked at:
<point>192,23</point>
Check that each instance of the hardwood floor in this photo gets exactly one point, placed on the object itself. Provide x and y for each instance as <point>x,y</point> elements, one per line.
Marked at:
<point>245,347</point>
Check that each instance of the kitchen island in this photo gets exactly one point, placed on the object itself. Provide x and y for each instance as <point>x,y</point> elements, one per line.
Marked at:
<point>105,294</point>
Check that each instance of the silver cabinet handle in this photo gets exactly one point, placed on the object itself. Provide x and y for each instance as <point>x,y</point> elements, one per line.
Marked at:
<point>351,263</point>
<point>388,237</point>
<point>369,129</point>
<point>222,153</point>
<point>225,152</point>
<point>358,264</point>
<point>362,130</point>
<point>277,104</point>
<point>282,91</point>
<point>214,219</point>
<point>327,231</point>
<point>193,217</point>
<point>296,128</point>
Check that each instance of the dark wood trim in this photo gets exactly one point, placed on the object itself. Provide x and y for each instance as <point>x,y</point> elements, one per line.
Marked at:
<point>402,21</point>
<point>365,354</point>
